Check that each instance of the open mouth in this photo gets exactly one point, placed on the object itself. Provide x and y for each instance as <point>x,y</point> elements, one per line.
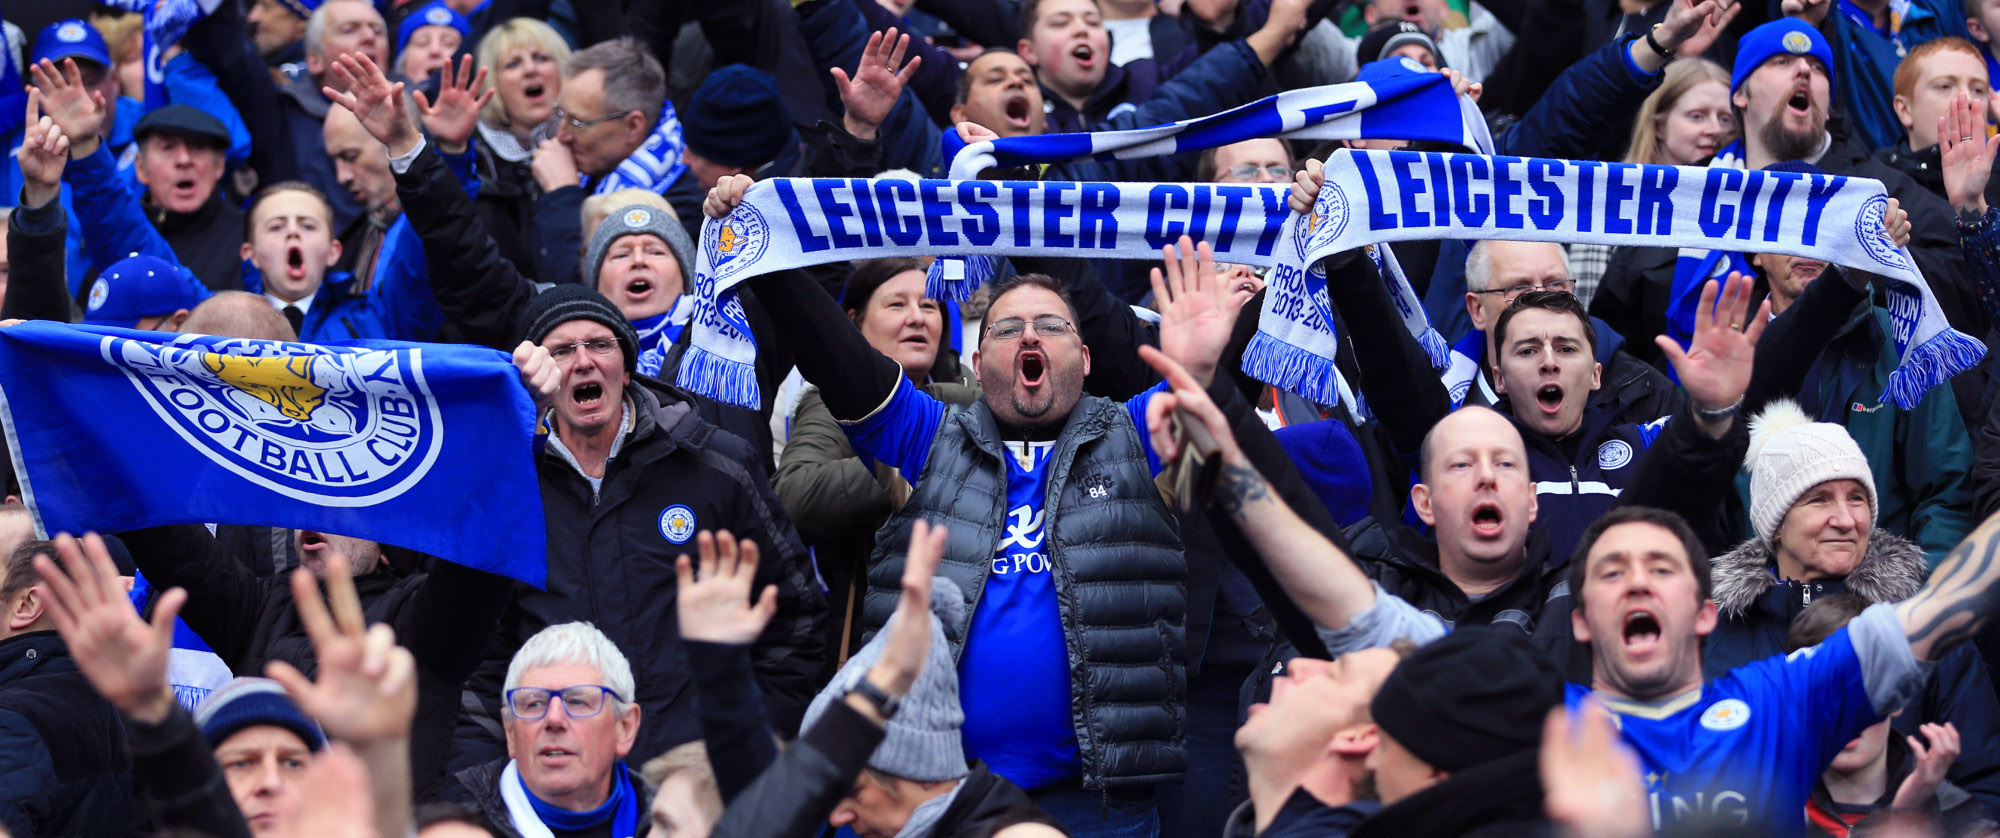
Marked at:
<point>295,263</point>
<point>1642,630</point>
<point>1083,53</point>
<point>1016,109</point>
<point>1487,519</point>
<point>587,395</point>
<point>1550,397</point>
<point>1413,12</point>
<point>916,340</point>
<point>1799,103</point>
<point>1032,367</point>
<point>639,287</point>
<point>184,185</point>
<point>309,540</point>
<point>534,90</point>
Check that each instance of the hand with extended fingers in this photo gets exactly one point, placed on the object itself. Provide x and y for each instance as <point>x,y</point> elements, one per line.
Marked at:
<point>869,95</point>
<point>44,155</point>
<point>363,89</point>
<point>121,655</point>
<point>1715,368</point>
<point>909,642</point>
<point>1196,311</point>
<point>79,111</point>
<point>453,117</point>
<point>715,606</point>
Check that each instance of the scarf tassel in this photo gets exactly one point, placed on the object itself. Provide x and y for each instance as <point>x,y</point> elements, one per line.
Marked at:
<point>1434,345</point>
<point>1934,362</point>
<point>729,381</point>
<point>1290,368</point>
<point>954,278</point>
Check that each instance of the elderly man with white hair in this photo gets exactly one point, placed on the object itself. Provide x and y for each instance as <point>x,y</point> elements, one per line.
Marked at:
<point>570,721</point>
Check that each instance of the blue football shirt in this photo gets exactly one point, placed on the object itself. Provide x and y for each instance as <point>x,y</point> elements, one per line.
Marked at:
<point>1014,672</point>
<point>1747,748</point>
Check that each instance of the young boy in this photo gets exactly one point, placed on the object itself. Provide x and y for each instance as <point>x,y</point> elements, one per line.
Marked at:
<point>1880,779</point>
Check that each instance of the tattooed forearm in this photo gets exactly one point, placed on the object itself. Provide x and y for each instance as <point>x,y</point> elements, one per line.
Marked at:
<point>1240,486</point>
<point>1961,594</point>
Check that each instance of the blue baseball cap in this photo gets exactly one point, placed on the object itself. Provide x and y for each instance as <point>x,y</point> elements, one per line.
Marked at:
<point>73,38</point>
<point>434,13</point>
<point>1784,36</point>
<point>140,286</point>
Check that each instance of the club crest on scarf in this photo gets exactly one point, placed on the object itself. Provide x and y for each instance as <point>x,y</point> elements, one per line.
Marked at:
<point>1870,228</point>
<point>1327,221</point>
<point>329,425</point>
<point>737,241</point>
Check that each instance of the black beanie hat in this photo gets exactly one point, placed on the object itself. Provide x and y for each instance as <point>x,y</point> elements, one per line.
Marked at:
<point>1472,697</point>
<point>563,303</point>
<point>736,118</point>
<point>1387,37</point>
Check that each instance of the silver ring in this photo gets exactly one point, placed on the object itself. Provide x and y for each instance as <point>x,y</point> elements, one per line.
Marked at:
<point>1965,139</point>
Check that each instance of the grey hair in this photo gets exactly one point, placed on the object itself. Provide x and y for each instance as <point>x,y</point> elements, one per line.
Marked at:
<point>633,80</point>
<point>1479,265</point>
<point>574,643</point>
<point>316,27</point>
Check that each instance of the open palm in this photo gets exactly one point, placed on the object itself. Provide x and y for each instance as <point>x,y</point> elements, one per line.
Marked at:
<point>455,114</point>
<point>1195,316</point>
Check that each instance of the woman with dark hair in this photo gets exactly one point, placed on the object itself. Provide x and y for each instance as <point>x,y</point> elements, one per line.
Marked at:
<point>835,498</point>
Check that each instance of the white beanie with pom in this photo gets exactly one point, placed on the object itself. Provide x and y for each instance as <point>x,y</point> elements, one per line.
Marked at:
<point>1789,454</point>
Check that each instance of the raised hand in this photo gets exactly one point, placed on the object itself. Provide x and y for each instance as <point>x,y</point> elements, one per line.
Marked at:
<point>728,192</point>
<point>1967,156</point>
<point>339,805</point>
<point>553,166</point>
<point>1591,780</point>
<point>80,112</point>
<point>1194,303</point>
<point>1185,398</point>
<point>716,607</point>
<point>1461,85</point>
<point>1306,184</point>
<point>362,88</point>
<point>119,653</point>
<point>367,688</point>
<point>1711,29</point>
<point>1931,764</point>
<point>1286,21</point>
<point>909,640</point>
<point>1896,223</point>
<point>453,118</point>
<point>1810,11</point>
<point>540,374</point>
<point>44,154</point>
<point>1715,368</point>
<point>871,93</point>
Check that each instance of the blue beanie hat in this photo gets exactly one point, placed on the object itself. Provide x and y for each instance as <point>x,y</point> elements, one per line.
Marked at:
<point>434,13</point>
<point>1784,36</point>
<point>302,8</point>
<point>250,702</point>
<point>736,118</point>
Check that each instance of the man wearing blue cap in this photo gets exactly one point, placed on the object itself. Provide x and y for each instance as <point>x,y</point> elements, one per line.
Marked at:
<point>1871,37</point>
<point>1782,89</point>
<point>143,292</point>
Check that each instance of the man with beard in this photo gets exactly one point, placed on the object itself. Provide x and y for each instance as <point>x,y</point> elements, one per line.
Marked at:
<point>1782,90</point>
<point>1747,748</point>
<point>1060,538</point>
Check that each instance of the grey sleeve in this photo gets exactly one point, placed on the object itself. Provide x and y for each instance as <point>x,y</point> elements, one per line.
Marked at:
<point>1391,618</point>
<point>1889,670</point>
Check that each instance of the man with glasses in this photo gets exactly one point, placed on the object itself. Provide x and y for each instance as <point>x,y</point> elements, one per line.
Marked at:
<point>1499,272</point>
<point>630,470</point>
<point>570,717</point>
<point>1073,667</point>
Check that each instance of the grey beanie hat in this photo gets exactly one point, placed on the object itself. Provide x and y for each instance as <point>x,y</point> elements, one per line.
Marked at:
<point>635,220</point>
<point>922,740</point>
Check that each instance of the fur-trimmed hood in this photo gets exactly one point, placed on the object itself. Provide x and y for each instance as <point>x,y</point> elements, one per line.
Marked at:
<point>1892,571</point>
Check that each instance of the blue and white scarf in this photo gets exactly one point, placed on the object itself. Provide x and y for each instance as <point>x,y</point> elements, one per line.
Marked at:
<point>656,164</point>
<point>165,22</point>
<point>532,818</point>
<point>1416,105</point>
<point>1395,196</point>
<point>658,333</point>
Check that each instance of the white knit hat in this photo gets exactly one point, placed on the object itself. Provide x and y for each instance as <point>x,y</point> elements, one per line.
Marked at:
<point>1790,454</point>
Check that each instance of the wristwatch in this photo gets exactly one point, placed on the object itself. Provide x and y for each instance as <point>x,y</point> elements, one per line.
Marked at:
<point>885,704</point>
<point>1654,44</point>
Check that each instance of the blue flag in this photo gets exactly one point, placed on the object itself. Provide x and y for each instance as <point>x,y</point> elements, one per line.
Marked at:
<point>424,446</point>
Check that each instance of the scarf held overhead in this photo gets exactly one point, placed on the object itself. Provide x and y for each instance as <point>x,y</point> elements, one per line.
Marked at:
<point>1375,196</point>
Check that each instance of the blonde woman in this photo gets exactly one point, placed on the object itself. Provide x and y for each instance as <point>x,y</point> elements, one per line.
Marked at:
<point>1685,122</point>
<point>523,59</point>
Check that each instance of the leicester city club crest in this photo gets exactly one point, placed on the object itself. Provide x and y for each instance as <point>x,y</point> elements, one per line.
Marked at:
<point>336,426</point>
<point>677,523</point>
<point>734,243</point>
<point>1871,227</point>
<point>1324,225</point>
